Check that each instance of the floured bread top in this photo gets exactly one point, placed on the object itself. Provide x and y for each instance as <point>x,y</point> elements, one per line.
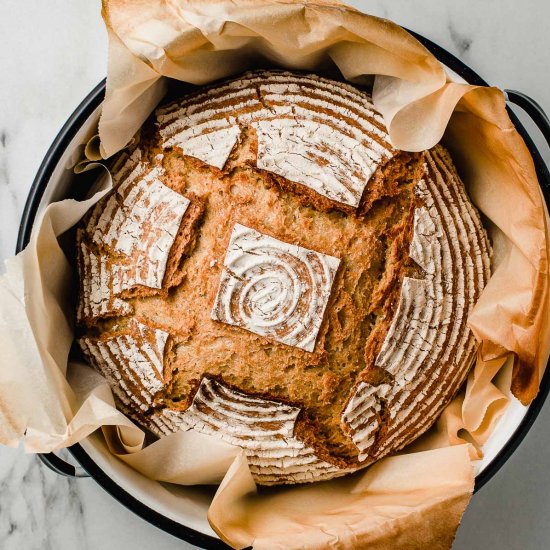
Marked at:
<point>269,270</point>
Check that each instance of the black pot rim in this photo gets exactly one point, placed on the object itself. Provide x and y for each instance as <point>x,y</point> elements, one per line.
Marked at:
<point>51,159</point>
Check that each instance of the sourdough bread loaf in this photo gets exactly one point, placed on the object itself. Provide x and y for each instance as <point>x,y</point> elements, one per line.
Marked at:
<point>271,271</point>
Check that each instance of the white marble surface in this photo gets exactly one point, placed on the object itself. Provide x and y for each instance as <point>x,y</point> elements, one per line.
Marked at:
<point>52,54</point>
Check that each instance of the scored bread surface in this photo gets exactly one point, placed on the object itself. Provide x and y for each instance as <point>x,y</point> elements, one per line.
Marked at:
<point>264,429</point>
<point>292,116</point>
<point>428,332</point>
<point>273,288</point>
<point>270,271</point>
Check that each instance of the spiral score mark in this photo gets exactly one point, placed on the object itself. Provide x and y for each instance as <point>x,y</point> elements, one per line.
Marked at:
<point>274,289</point>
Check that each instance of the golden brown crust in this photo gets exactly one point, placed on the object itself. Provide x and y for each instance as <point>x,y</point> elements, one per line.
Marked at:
<point>371,241</point>
<point>319,381</point>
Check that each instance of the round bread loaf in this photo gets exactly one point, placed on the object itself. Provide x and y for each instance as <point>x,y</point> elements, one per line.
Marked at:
<point>269,270</point>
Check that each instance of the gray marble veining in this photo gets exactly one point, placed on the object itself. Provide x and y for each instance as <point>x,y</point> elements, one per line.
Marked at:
<point>461,42</point>
<point>54,53</point>
<point>39,510</point>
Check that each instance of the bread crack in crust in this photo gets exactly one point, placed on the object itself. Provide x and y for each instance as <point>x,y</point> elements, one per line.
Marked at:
<point>269,270</point>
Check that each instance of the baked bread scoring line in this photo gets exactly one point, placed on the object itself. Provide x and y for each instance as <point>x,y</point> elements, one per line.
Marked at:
<point>265,429</point>
<point>132,362</point>
<point>333,148</point>
<point>451,246</point>
<point>138,225</point>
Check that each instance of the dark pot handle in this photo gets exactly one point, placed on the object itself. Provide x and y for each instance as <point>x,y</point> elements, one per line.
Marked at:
<point>533,109</point>
<point>59,466</point>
